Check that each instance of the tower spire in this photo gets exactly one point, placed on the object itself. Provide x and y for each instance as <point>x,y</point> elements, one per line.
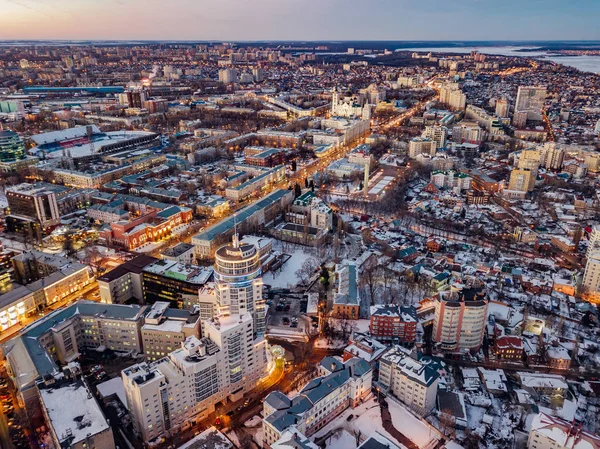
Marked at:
<point>236,237</point>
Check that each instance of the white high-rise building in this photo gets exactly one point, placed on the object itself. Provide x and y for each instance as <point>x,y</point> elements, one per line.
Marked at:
<point>226,363</point>
<point>593,241</point>
<point>531,100</point>
<point>184,387</point>
<point>239,282</point>
<point>551,157</point>
<point>421,145</point>
<point>413,382</point>
<point>591,276</point>
<point>258,74</point>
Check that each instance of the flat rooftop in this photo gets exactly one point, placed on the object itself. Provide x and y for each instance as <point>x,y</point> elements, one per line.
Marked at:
<point>73,412</point>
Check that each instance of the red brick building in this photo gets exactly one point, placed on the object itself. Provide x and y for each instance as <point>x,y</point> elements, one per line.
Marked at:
<point>394,323</point>
<point>509,347</point>
<point>151,227</point>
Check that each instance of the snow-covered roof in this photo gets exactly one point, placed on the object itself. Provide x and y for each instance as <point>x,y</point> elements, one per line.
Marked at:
<point>73,412</point>
<point>565,434</point>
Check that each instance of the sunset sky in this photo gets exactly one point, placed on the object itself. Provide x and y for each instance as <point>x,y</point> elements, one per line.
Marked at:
<point>300,20</point>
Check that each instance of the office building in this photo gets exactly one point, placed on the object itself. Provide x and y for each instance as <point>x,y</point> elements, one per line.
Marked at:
<point>239,283</point>
<point>165,329</point>
<point>346,300</point>
<point>37,202</point>
<point>174,282</point>
<point>459,320</point>
<point>12,147</point>
<point>74,417</point>
<point>124,283</point>
<point>530,99</point>
<point>341,385</point>
<point>403,375</point>
<point>59,337</point>
<point>261,213</point>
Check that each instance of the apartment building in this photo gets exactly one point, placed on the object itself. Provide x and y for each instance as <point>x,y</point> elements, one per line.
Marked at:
<point>175,390</point>
<point>403,375</point>
<point>460,319</point>
<point>125,281</point>
<point>421,145</point>
<point>394,323</point>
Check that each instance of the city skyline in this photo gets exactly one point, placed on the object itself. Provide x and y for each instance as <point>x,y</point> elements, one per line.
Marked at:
<point>270,20</point>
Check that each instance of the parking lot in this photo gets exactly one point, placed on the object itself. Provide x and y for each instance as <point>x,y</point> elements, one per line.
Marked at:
<point>287,315</point>
<point>13,423</point>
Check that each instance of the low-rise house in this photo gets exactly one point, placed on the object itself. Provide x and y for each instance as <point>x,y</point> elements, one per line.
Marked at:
<point>364,347</point>
<point>547,384</point>
<point>548,432</point>
<point>509,348</point>
<point>494,381</point>
<point>558,357</point>
<point>452,408</point>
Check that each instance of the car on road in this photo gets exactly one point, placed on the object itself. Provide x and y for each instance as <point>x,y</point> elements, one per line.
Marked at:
<point>286,320</point>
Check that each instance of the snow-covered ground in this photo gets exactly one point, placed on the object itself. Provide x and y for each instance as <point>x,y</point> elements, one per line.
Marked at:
<point>286,277</point>
<point>366,420</point>
<point>254,427</point>
<point>341,439</point>
<point>323,343</point>
<point>418,431</point>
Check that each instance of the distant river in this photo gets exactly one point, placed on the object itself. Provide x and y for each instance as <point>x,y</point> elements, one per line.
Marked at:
<point>584,63</point>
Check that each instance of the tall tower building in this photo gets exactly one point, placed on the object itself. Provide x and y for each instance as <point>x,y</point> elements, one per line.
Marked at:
<point>239,282</point>
<point>502,108</point>
<point>229,361</point>
<point>459,320</point>
<point>591,276</point>
<point>531,100</point>
<point>522,180</point>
